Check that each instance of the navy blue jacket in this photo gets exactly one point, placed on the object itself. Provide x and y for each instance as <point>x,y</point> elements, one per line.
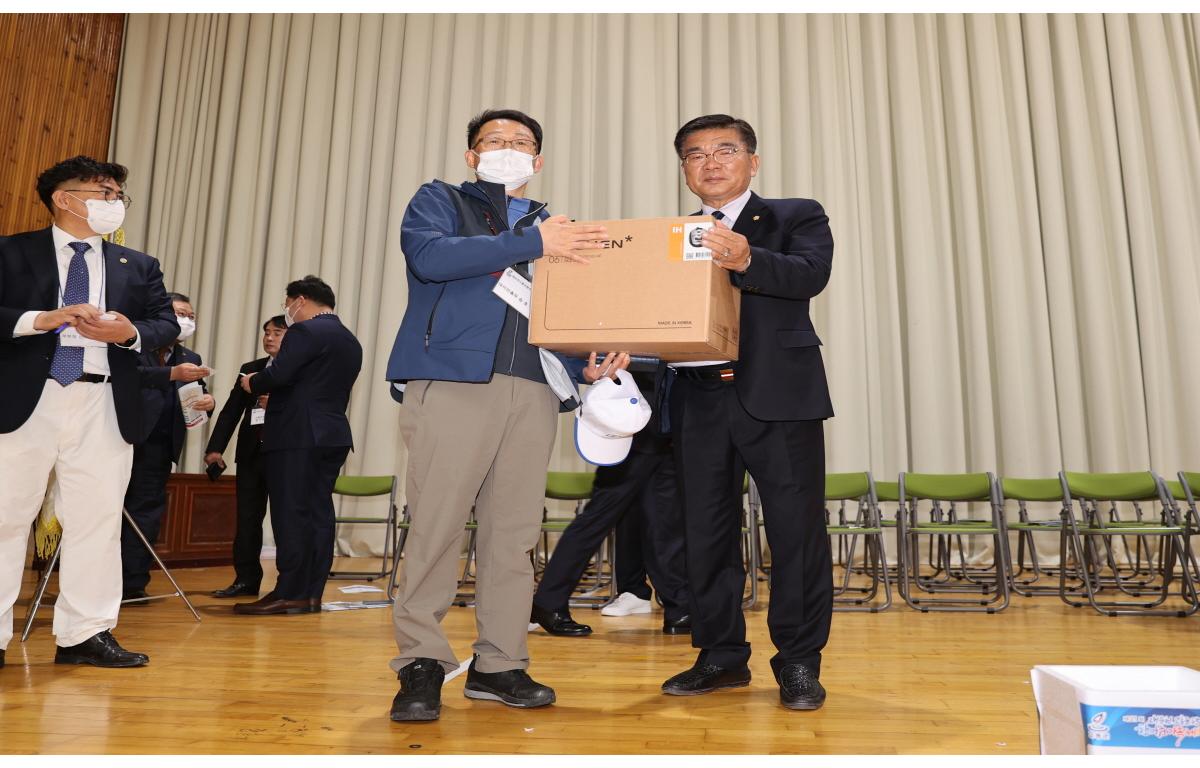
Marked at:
<point>310,382</point>
<point>29,281</point>
<point>160,395</point>
<point>452,323</point>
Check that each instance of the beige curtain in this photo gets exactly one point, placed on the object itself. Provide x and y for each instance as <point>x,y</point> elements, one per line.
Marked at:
<point>1014,198</point>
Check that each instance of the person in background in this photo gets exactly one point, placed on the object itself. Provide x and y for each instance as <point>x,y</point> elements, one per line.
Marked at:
<point>163,371</point>
<point>306,438</point>
<point>246,414</point>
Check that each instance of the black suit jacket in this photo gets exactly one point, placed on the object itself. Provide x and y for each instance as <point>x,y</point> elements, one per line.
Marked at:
<point>310,384</point>
<point>779,373</point>
<point>237,410</point>
<point>160,394</point>
<point>29,281</point>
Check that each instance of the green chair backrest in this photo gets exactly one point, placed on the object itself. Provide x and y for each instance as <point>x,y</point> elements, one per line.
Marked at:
<point>569,486</point>
<point>1193,482</point>
<point>847,485</point>
<point>1175,488</point>
<point>364,485</point>
<point>1114,486</point>
<point>885,490</point>
<point>1031,489</point>
<point>974,486</point>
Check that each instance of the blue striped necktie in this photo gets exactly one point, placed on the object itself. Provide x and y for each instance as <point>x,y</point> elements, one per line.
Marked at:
<point>68,361</point>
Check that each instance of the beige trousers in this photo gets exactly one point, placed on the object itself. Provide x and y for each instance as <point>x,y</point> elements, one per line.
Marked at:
<point>487,446</point>
<point>73,430</point>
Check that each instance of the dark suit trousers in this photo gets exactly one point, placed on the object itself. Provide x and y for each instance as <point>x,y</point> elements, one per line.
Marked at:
<point>251,509</point>
<point>146,500</point>
<point>631,561</point>
<point>300,487</point>
<point>716,441</point>
<point>643,478</point>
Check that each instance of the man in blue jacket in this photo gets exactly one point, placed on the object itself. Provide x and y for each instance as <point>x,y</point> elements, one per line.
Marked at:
<point>479,413</point>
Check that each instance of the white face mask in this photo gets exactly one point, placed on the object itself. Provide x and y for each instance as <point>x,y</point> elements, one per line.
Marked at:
<point>287,315</point>
<point>509,167</point>
<point>103,217</point>
<point>187,326</point>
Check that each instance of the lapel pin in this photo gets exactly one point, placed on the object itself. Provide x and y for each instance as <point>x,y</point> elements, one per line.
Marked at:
<point>126,261</point>
<point>756,218</point>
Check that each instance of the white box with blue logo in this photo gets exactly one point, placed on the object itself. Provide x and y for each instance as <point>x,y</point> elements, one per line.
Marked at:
<point>1118,709</point>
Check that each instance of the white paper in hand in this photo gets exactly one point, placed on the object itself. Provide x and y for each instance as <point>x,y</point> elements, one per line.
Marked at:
<point>71,337</point>
<point>188,394</point>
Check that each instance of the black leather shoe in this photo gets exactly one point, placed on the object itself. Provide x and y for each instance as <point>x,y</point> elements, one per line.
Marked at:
<point>420,696</point>
<point>706,678</point>
<point>513,687</point>
<point>680,626</point>
<point>270,605</point>
<point>237,589</point>
<point>100,650</point>
<point>558,622</point>
<point>799,688</point>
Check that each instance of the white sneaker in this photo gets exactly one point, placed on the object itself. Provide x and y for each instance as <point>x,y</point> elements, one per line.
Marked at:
<point>626,604</point>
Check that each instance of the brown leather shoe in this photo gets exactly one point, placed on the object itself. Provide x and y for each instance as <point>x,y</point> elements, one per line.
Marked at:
<point>270,605</point>
<point>314,605</point>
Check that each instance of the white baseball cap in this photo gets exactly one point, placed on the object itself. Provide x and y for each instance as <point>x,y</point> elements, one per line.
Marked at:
<point>607,419</point>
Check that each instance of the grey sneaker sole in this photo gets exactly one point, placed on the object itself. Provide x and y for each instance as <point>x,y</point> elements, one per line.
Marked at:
<point>485,695</point>
<point>422,716</point>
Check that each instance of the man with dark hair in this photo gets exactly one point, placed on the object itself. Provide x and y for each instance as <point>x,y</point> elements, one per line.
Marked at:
<point>164,371</point>
<point>479,412</point>
<point>75,312</point>
<point>252,473</point>
<point>306,438</point>
<point>762,413</point>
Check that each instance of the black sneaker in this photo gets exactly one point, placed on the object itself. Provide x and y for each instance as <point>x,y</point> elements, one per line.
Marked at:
<point>799,688</point>
<point>420,696</point>
<point>513,687</point>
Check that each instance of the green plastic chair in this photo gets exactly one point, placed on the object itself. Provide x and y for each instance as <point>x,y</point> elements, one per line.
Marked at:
<point>950,587</point>
<point>365,486</point>
<point>1024,577</point>
<point>1116,588</point>
<point>858,489</point>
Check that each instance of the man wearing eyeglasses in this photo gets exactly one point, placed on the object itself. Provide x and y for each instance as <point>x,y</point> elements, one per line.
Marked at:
<point>75,312</point>
<point>762,413</point>
<point>479,412</point>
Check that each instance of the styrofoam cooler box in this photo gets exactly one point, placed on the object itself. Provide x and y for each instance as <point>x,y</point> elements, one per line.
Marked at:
<point>1117,709</point>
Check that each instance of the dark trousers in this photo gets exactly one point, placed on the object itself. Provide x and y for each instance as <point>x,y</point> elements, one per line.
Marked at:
<point>631,559</point>
<point>146,501</point>
<point>643,479</point>
<point>716,441</point>
<point>251,486</point>
<point>300,487</point>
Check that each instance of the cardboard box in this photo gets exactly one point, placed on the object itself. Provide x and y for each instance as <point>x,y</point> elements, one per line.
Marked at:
<point>1118,709</point>
<point>651,291</point>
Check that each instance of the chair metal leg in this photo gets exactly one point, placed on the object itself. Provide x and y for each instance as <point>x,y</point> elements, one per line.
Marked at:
<point>41,591</point>
<point>150,548</point>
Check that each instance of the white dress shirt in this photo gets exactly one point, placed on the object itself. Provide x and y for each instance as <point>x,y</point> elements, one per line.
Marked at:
<point>95,359</point>
<point>730,212</point>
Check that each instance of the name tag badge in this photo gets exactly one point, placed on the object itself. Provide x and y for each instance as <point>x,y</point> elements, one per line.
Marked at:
<point>258,416</point>
<point>514,290</point>
<point>71,337</point>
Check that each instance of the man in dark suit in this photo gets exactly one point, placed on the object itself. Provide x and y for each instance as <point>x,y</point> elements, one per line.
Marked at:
<point>306,440</point>
<point>74,314</point>
<point>164,371</point>
<point>250,412</point>
<point>762,413</point>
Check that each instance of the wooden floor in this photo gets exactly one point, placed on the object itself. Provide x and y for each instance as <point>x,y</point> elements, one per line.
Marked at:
<point>898,682</point>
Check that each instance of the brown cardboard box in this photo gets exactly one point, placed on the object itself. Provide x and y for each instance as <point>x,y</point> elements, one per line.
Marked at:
<point>651,291</point>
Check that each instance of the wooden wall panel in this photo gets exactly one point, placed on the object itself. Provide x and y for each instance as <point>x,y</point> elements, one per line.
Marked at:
<point>58,80</point>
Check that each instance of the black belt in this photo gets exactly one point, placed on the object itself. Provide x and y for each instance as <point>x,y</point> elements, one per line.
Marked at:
<point>723,372</point>
<point>90,378</point>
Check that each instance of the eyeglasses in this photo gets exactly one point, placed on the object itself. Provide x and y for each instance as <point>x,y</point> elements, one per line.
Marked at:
<point>109,195</point>
<point>492,143</point>
<point>724,156</point>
